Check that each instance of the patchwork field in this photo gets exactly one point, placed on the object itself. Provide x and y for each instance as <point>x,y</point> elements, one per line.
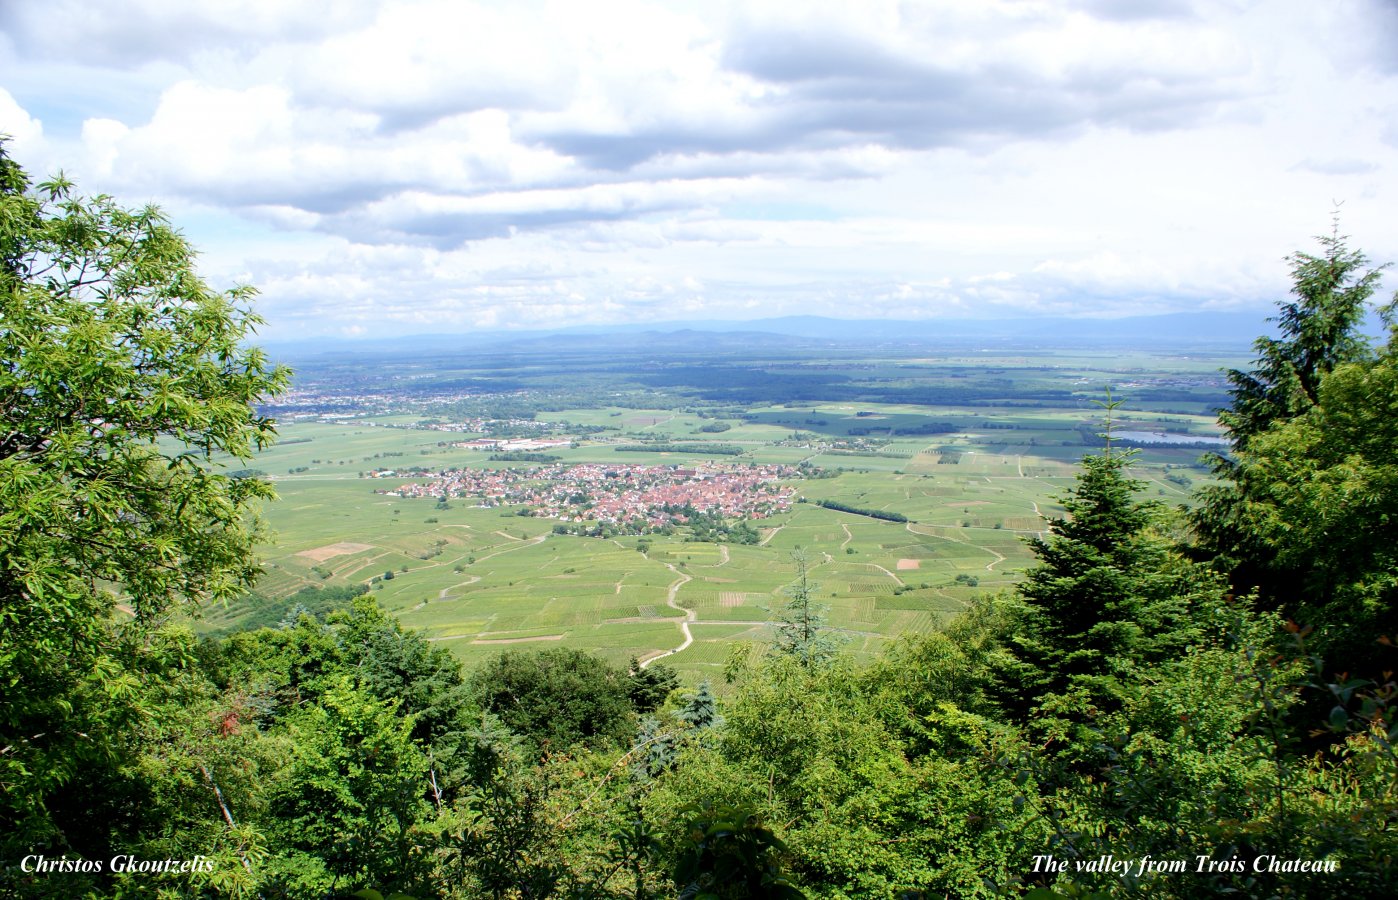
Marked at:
<point>964,484</point>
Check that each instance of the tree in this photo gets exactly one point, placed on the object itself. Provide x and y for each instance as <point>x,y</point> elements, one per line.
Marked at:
<point>1313,524</point>
<point>800,629</point>
<point>1303,514</point>
<point>1318,333</point>
<point>557,698</point>
<point>1107,593</point>
<point>651,685</point>
<point>123,376</point>
<point>353,801</point>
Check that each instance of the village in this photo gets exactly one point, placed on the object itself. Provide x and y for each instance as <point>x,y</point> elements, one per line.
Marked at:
<point>637,498</point>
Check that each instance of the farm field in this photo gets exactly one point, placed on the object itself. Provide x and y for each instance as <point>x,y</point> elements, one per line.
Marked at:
<point>965,484</point>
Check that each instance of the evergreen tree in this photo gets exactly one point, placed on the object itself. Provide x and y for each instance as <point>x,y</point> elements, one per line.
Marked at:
<point>801,630</point>
<point>1301,516</point>
<point>1318,332</point>
<point>651,685</point>
<point>1312,524</point>
<point>1080,597</point>
<point>700,710</point>
<point>1107,594</point>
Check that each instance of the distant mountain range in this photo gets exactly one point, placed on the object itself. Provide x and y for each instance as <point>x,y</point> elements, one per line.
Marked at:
<point>1180,332</point>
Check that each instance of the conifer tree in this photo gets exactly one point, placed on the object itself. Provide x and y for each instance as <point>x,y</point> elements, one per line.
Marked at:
<point>1278,414</point>
<point>1106,594</point>
<point>801,629</point>
<point>1319,331</point>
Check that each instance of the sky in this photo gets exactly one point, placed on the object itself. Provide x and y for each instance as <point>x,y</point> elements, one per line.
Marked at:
<point>447,166</point>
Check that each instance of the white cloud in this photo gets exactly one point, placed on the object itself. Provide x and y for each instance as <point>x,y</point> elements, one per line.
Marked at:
<point>24,130</point>
<point>421,164</point>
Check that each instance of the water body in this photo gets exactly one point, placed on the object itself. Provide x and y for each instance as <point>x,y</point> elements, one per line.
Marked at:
<point>1167,439</point>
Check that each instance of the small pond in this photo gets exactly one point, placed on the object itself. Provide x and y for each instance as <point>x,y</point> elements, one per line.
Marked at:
<point>1168,439</point>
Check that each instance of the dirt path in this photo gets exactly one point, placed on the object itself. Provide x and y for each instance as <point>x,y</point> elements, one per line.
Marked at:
<point>722,552</point>
<point>886,572</point>
<point>848,536</point>
<point>689,616</point>
<point>771,534</point>
<point>519,546</point>
<point>442,594</point>
<point>1042,517</point>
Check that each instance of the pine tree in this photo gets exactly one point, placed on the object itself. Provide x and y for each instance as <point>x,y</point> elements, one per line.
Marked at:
<point>801,629</point>
<point>1319,331</point>
<point>1319,334</point>
<point>1081,596</point>
<point>700,710</point>
<point>1107,594</point>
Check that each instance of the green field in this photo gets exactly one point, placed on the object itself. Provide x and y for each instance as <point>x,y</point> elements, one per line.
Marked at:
<point>481,580</point>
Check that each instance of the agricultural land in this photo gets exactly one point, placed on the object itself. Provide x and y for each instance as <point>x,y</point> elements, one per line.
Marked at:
<point>648,507</point>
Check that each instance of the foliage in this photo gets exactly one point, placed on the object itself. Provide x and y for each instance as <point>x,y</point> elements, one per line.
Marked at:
<point>353,800</point>
<point>1117,703</point>
<point>651,685</point>
<point>819,751</point>
<point>122,377</point>
<point>1318,332</point>
<point>884,514</point>
<point>1305,513</point>
<point>801,629</point>
<point>254,611</point>
<point>732,855</point>
<point>557,698</point>
<point>1107,595</point>
<point>1314,521</point>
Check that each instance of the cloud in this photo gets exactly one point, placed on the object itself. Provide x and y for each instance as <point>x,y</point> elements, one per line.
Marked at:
<point>23,129</point>
<point>439,164</point>
<point>476,127</point>
<point>134,33</point>
<point>1337,166</point>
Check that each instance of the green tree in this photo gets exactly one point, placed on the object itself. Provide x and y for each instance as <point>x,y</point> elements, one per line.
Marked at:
<point>1107,594</point>
<point>819,753</point>
<point>1303,514</point>
<point>557,698</point>
<point>1313,524</point>
<point>122,377</point>
<point>350,810</point>
<point>651,685</point>
<point>1319,331</point>
<point>801,630</point>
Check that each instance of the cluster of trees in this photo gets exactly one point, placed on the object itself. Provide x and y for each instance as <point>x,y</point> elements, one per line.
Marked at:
<point>884,514</point>
<point>524,456</point>
<point>1212,692</point>
<point>710,526</point>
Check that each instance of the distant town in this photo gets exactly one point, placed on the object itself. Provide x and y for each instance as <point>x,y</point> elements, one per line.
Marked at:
<point>635,498</point>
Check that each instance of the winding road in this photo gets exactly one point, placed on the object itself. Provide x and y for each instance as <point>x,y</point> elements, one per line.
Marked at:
<point>689,616</point>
